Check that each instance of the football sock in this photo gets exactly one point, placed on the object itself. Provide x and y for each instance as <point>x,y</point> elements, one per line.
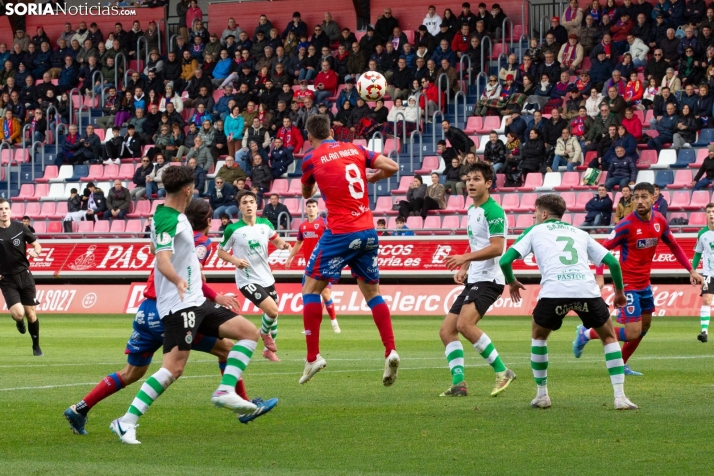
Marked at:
<point>455,357</point>
<point>267,324</point>
<point>238,360</point>
<point>704,314</point>
<point>330,307</point>
<point>539,364</point>
<point>274,328</point>
<point>485,347</point>
<point>383,320</point>
<point>629,347</point>
<point>312,318</point>
<point>240,386</point>
<point>34,328</point>
<point>110,385</point>
<point>616,368</point>
<point>619,333</point>
<point>150,391</point>
<point>222,366</point>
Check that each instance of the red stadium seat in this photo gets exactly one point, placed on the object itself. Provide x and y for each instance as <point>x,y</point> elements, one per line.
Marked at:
<point>17,209</point>
<point>523,221</point>
<point>111,171</point>
<point>41,190</point>
<point>295,189</point>
<point>55,228</point>
<point>101,226</point>
<point>578,219</point>
<point>279,186</point>
<point>48,209</point>
<point>155,204</point>
<point>61,211</point>
<point>142,209</point>
<point>490,123</point>
<point>569,180</point>
<point>616,200</point>
<point>567,218</point>
<point>430,163</point>
<point>6,156</point>
<point>117,226</point>
<point>126,172</point>
<point>581,200</point>
<point>511,220</point>
<point>451,222</point>
<point>40,227</point>
<point>32,210</point>
<point>647,158</point>
<point>454,205</point>
<point>510,202</point>
<point>680,200</point>
<point>51,171</point>
<point>86,226</point>
<point>527,202</point>
<point>682,179</point>
<point>701,155</point>
<point>293,205</point>
<point>434,222</point>
<point>383,206</point>
<point>698,218</point>
<point>473,125</point>
<point>392,144</point>
<point>27,190</point>
<point>415,223</point>
<point>698,200</point>
<point>533,181</point>
<point>96,172</point>
<point>404,183</point>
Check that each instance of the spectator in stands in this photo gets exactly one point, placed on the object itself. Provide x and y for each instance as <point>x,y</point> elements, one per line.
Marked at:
<point>553,128</point>
<point>460,142</point>
<point>670,47</point>
<point>225,221</point>
<point>567,152</point>
<point>274,211</point>
<point>199,177</point>
<point>382,227</point>
<point>516,124</point>
<point>626,205</point>
<point>260,173</point>
<point>665,127</point>
<point>705,174</point>
<point>385,25</point>
<point>74,208</point>
<point>622,170</point>
<point>231,171</point>
<point>290,136</point>
<point>28,223</point>
<point>571,54</point>
<point>435,196</point>
<point>532,154</point>
<point>154,182</point>
<point>414,200</point>
<point>615,102</point>
<point>580,125</point>
<point>113,146</point>
<point>280,158</point>
<point>201,153</point>
<point>139,179</point>
<point>110,108</point>
<point>599,209</point>
<point>495,150</point>
<point>685,129</point>
<point>94,203</point>
<point>118,202</point>
<point>660,204</point>
<point>10,129</point>
<point>702,109</point>
<point>222,199</point>
<point>325,83</point>
<point>90,148</point>
<point>453,184</point>
<point>688,97</point>
<point>234,129</point>
<point>402,229</point>
<point>558,31</point>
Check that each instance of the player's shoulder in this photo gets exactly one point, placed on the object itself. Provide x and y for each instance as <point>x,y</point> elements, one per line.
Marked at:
<point>265,222</point>
<point>167,219</point>
<point>702,232</point>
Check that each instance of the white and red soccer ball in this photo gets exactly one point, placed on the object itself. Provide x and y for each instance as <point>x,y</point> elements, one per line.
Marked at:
<point>371,86</point>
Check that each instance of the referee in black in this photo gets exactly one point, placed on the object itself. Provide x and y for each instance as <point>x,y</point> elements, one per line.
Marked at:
<point>16,281</point>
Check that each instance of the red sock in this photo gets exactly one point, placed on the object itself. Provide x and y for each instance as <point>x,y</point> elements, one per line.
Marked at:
<point>110,385</point>
<point>312,318</point>
<point>629,348</point>
<point>593,334</point>
<point>330,307</point>
<point>383,320</point>
<point>240,390</point>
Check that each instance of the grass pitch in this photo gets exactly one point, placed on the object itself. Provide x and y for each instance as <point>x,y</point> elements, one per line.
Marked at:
<point>345,422</point>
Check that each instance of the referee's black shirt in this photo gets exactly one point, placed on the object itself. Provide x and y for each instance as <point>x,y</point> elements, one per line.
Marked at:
<point>13,248</point>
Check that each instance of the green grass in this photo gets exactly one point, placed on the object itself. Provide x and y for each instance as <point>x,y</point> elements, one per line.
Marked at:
<point>346,422</point>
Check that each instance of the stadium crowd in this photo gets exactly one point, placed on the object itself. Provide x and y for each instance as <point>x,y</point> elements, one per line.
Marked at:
<point>242,99</point>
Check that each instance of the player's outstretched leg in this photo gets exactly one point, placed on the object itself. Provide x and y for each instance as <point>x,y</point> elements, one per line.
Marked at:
<point>504,376</point>
<point>76,414</point>
<point>312,318</point>
<point>615,366</point>
<point>539,364</point>
<point>704,316</point>
<point>455,357</point>
<point>383,320</point>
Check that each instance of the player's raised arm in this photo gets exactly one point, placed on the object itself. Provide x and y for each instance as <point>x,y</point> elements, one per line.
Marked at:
<point>385,166</point>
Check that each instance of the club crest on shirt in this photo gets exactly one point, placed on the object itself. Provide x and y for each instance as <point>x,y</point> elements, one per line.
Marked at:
<point>189,338</point>
<point>630,309</point>
<point>163,239</point>
<point>656,227</point>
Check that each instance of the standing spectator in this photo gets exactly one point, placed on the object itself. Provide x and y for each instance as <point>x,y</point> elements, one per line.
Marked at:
<point>11,129</point>
<point>460,142</point>
<point>573,18</point>
<point>118,202</point>
<point>297,26</point>
<point>622,170</point>
<point>222,199</point>
<point>626,205</point>
<point>432,21</point>
<point>234,129</point>
<point>385,25</point>
<point>705,174</point>
<point>139,179</point>
<point>273,210</point>
<point>599,209</point>
<point>660,204</point>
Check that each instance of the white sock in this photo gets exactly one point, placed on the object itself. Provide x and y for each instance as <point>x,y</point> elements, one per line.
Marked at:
<point>704,315</point>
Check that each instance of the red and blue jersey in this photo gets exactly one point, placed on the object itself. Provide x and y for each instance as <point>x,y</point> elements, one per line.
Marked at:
<point>203,252</point>
<point>310,233</point>
<point>340,171</point>
<point>638,240</point>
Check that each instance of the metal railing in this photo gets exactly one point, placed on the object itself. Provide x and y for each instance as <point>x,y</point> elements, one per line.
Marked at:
<point>57,128</point>
<point>404,126</point>
<point>456,108</point>
<point>6,145</point>
<point>542,31</point>
<point>138,50</point>
<point>32,160</point>
<point>498,65</point>
<point>503,34</point>
<point>417,98</point>
<point>49,110</point>
<point>71,103</point>
<point>438,89</point>
<point>411,150</point>
<point>82,107</point>
<point>289,219</point>
<point>461,71</point>
<point>116,69</point>
<point>490,51</point>
<point>478,83</point>
<point>433,128</point>
<point>172,43</point>
<point>101,86</point>
<point>158,29</point>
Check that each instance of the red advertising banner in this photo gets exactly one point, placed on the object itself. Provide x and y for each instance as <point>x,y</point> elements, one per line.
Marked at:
<point>405,257</point>
<point>412,300</point>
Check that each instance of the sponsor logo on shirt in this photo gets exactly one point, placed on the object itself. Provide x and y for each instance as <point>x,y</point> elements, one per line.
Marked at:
<point>646,243</point>
<point>355,245</point>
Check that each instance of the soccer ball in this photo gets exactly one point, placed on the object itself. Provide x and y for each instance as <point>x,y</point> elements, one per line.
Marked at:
<point>372,86</point>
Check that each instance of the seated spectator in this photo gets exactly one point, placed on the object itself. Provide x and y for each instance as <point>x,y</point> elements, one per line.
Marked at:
<point>225,221</point>
<point>666,127</point>
<point>634,91</point>
<point>90,148</point>
<point>199,177</point>
<point>599,209</point>
<point>495,152</point>
<point>154,183</point>
<point>622,170</point>
<point>290,136</point>
<point>28,223</point>
<point>671,81</point>
<point>139,179</point>
<point>118,202</point>
<point>10,128</point>
<point>454,185</point>
<point>571,54</point>
<point>632,124</point>
<point>280,158</point>
<point>402,229</point>
<point>74,209</point>
<point>261,175</point>
<point>382,228</point>
<point>274,211</point>
<point>686,129</point>
<point>222,199</point>
<point>231,171</point>
<point>93,202</point>
<point>201,153</point>
<point>567,152</point>
<point>702,110</point>
<point>112,147</point>
<point>415,199</point>
<point>626,205</point>
<point>605,149</point>
<point>705,174</point>
<point>615,102</point>
<point>516,123</point>
<point>660,204</point>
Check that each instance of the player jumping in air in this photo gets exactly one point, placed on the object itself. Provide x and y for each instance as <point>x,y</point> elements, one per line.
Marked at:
<point>309,234</point>
<point>185,312</point>
<point>637,235</point>
<point>248,240</point>
<point>340,171</point>
<point>147,336</point>
<point>705,248</point>
<point>487,231</point>
<point>16,281</point>
<point>561,253</point>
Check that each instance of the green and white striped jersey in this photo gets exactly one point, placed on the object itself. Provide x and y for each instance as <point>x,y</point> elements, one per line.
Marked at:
<point>171,231</point>
<point>705,246</point>
<point>562,252</point>
<point>486,221</point>
<point>251,244</point>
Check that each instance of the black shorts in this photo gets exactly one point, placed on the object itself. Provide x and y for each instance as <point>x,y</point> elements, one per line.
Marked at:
<point>707,286</point>
<point>19,288</point>
<point>256,293</point>
<point>483,294</point>
<point>549,312</point>
<point>181,327</point>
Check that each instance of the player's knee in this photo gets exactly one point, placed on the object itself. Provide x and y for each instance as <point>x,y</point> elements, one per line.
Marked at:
<point>252,333</point>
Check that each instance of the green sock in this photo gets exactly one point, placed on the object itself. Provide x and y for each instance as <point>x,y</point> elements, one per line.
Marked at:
<point>238,360</point>
<point>485,347</point>
<point>274,328</point>
<point>455,357</point>
<point>149,392</point>
<point>266,324</point>
<point>704,314</point>
<point>615,367</point>
<point>539,362</point>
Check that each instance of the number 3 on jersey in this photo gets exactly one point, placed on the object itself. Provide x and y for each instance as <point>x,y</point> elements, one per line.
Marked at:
<point>350,170</point>
<point>569,242</point>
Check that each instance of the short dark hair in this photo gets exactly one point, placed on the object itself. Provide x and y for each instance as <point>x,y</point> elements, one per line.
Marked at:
<point>244,193</point>
<point>25,217</point>
<point>4,200</point>
<point>553,204</point>
<point>486,170</point>
<point>646,186</point>
<point>709,205</point>
<point>625,187</point>
<point>224,215</point>
<point>177,177</point>
<point>199,214</point>
<point>382,221</point>
<point>400,219</point>
<point>310,201</point>
<point>318,126</point>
